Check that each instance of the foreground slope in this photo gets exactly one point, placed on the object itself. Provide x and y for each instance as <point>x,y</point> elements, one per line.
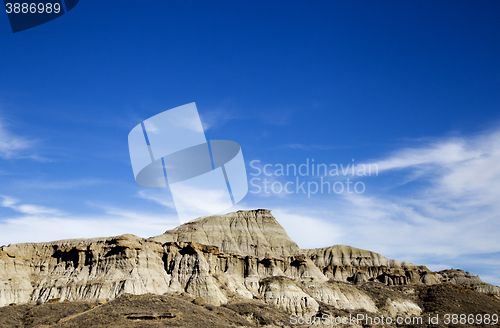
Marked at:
<point>149,310</point>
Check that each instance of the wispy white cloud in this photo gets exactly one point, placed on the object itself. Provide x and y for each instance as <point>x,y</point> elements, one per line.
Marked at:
<point>32,228</point>
<point>463,175</point>
<point>13,146</point>
<point>158,197</point>
<point>41,224</point>
<point>452,211</point>
<point>215,118</point>
<point>399,227</point>
<point>441,152</point>
<point>162,218</point>
<point>29,209</point>
<point>227,111</point>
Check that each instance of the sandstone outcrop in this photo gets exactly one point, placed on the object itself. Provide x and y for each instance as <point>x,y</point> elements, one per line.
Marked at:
<point>349,264</point>
<point>254,233</point>
<point>460,277</point>
<point>218,260</point>
<point>283,293</point>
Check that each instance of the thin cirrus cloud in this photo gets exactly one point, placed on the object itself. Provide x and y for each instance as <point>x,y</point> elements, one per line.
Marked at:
<point>212,119</point>
<point>34,223</point>
<point>464,172</point>
<point>221,115</point>
<point>158,197</point>
<point>452,210</point>
<point>441,152</point>
<point>33,228</point>
<point>29,209</point>
<point>13,146</point>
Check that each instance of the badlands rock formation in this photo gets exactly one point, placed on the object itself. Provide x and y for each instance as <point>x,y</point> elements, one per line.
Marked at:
<point>349,264</point>
<point>219,260</point>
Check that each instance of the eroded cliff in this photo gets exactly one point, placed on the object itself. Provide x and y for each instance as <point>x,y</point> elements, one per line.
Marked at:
<point>219,259</point>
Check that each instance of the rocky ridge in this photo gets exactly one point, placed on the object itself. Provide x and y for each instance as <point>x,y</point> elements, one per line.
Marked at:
<point>220,260</point>
<point>349,264</point>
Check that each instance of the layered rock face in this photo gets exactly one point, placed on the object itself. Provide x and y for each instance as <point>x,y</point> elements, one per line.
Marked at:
<point>240,255</point>
<point>349,264</point>
<point>459,277</point>
<point>254,233</point>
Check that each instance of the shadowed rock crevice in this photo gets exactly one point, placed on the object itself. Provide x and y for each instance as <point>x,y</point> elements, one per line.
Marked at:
<point>149,317</point>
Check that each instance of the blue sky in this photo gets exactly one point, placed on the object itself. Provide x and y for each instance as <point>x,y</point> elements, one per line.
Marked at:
<point>410,86</point>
